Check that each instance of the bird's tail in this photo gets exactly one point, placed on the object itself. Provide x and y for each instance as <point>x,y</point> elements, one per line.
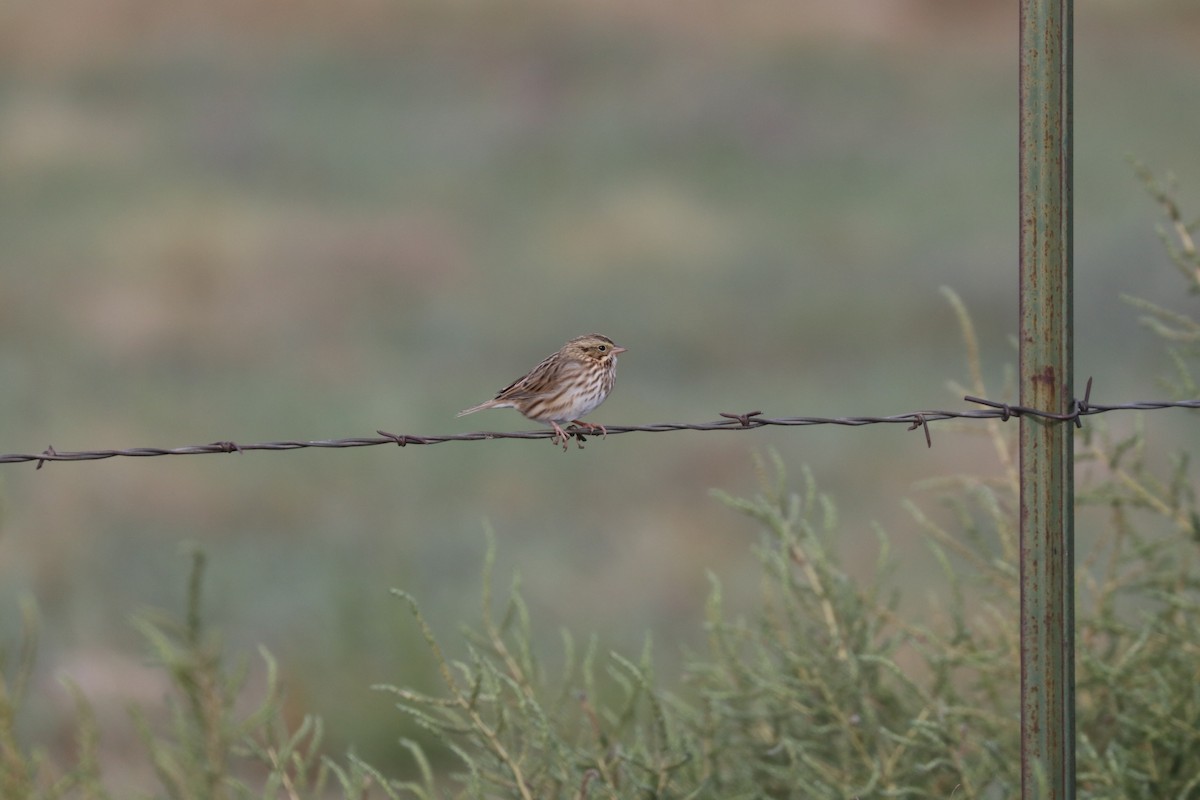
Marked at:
<point>473,409</point>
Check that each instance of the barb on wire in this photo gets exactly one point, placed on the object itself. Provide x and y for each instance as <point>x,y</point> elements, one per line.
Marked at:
<point>1079,408</point>
<point>728,422</point>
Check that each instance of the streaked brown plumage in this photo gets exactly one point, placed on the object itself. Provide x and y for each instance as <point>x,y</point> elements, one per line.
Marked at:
<point>566,386</point>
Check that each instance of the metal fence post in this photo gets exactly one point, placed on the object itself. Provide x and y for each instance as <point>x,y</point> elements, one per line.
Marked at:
<point>1047,454</point>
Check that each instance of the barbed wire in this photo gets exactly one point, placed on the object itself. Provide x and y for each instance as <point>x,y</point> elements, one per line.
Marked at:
<point>993,410</point>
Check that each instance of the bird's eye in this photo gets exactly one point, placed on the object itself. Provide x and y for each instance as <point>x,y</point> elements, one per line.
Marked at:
<point>602,347</point>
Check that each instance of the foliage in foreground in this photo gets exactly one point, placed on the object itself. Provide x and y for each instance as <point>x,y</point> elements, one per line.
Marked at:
<point>825,690</point>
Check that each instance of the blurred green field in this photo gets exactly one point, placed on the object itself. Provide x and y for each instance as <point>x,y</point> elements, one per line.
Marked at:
<point>223,223</point>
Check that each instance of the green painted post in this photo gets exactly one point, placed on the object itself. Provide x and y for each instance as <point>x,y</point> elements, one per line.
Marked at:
<point>1047,453</point>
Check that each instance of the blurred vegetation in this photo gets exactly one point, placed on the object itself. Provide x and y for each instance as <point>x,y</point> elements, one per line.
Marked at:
<point>825,689</point>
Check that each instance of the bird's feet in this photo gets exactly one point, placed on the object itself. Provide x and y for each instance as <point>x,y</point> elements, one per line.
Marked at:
<point>560,436</point>
<point>591,426</point>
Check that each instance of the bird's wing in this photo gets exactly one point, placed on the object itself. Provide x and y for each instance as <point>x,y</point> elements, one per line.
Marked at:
<point>540,380</point>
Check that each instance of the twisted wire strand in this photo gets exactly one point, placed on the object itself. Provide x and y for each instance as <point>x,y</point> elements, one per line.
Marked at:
<point>729,422</point>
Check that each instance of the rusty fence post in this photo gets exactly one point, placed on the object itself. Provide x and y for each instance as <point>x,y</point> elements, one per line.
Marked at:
<point>1046,377</point>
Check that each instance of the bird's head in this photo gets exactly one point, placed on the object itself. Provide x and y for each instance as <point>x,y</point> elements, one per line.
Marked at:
<point>593,347</point>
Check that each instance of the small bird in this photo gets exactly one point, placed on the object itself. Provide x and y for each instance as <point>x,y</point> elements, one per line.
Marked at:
<point>566,386</point>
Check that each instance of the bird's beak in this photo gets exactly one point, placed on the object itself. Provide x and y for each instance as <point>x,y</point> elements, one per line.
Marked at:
<point>617,349</point>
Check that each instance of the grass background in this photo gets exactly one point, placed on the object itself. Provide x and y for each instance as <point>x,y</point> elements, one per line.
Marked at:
<point>271,221</point>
